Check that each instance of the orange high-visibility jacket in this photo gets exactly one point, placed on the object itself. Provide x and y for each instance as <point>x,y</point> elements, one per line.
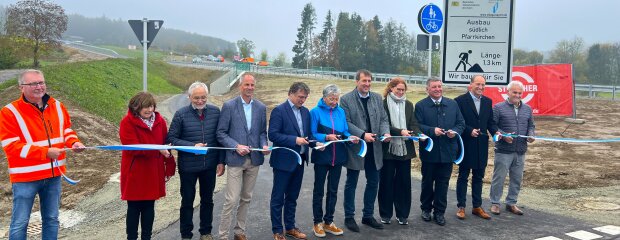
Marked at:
<point>26,134</point>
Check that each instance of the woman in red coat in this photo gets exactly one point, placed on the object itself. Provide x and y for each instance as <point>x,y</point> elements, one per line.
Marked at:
<point>143,173</point>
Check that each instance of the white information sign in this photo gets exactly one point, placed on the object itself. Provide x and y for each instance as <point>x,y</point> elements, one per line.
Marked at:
<point>478,41</point>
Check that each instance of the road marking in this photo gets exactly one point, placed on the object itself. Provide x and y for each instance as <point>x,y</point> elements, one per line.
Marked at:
<point>584,235</point>
<point>548,238</point>
<point>609,229</point>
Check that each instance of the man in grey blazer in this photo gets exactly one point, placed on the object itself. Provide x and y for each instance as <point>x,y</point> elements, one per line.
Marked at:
<point>242,125</point>
<point>368,120</point>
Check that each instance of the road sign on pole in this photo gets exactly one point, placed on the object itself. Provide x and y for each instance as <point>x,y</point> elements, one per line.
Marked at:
<point>146,31</point>
<point>478,41</point>
<point>430,18</point>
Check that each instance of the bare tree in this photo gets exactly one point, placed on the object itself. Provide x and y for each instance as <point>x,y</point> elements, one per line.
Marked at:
<point>40,21</point>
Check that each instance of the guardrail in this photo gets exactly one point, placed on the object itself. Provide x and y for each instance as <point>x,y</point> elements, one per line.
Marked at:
<point>93,49</point>
<point>592,90</point>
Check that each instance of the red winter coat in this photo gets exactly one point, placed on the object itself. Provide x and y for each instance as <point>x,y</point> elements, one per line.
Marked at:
<point>143,172</point>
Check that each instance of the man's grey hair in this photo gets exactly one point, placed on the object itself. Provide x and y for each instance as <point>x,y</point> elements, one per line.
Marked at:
<point>331,89</point>
<point>20,79</point>
<point>515,84</point>
<point>196,85</point>
<point>432,79</point>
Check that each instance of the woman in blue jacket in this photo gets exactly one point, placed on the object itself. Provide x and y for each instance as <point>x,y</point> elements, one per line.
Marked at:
<point>328,123</point>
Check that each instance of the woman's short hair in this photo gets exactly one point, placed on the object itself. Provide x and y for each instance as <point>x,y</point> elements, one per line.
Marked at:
<point>140,101</point>
<point>331,89</point>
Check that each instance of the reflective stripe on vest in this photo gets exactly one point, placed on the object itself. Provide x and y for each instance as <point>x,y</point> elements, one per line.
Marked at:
<point>35,168</point>
<point>21,123</point>
<point>8,141</point>
<point>24,129</point>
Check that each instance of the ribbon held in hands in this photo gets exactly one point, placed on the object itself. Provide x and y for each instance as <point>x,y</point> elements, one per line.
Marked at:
<point>420,137</point>
<point>361,153</point>
<point>496,138</point>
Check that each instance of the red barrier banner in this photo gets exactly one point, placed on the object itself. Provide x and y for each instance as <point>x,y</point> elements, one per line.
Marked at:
<point>548,88</point>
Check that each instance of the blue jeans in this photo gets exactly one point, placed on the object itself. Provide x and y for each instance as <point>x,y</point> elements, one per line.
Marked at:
<point>23,198</point>
<point>370,192</point>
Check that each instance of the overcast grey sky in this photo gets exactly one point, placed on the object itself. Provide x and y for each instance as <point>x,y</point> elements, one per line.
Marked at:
<point>272,24</point>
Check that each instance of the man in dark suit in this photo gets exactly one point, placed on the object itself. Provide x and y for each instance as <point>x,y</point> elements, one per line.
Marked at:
<point>477,111</point>
<point>289,126</point>
<point>242,125</point>
<point>439,118</point>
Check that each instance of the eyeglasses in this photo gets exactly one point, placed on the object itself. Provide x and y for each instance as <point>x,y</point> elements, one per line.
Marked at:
<point>34,84</point>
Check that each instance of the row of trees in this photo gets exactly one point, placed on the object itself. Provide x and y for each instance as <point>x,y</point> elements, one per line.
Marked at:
<point>352,42</point>
<point>598,63</point>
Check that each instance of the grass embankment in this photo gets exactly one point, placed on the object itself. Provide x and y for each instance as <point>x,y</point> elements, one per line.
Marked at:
<point>104,87</point>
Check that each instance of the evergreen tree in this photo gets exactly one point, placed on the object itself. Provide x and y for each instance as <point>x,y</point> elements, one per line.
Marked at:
<point>303,44</point>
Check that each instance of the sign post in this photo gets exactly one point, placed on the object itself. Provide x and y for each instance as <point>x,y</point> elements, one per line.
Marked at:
<point>146,36</point>
<point>478,41</point>
<point>430,20</point>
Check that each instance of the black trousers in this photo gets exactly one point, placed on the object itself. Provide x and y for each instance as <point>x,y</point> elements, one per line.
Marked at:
<point>435,181</point>
<point>476,187</point>
<point>206,179</point>
<point>395,188</point>
<point>332,174</point>
<point>140,212</point>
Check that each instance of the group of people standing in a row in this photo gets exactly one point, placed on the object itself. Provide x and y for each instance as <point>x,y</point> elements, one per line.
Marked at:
<point>35,131</point>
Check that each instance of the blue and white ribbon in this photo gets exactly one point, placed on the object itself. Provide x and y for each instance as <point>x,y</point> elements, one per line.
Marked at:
<point>420,137</point>
<point>361,153</point>
<point>462,152</point>
<point>67,179</point>
<point>567,140</point>
<point>148,147</point>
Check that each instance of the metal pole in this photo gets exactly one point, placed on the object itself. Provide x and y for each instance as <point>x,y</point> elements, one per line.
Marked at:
<point>144,50</point>
<point>430,54</point>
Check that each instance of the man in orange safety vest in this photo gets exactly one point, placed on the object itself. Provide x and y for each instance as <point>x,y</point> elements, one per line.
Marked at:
<point>35,130</point>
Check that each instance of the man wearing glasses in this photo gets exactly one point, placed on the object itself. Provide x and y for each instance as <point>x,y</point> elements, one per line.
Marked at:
<point>35,131</point>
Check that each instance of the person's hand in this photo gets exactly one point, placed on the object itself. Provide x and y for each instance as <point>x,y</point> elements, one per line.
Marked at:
<point>369,137</point>
<point>78,147</point>
<point>53,152</point>
<point>475,133</point>
<point>508,139</point>
<point>320,146</point>
<point>387,137</point>
<point>242,149</point>
<point>354,139</point>
<point>220,170</point>
<point>266,150</point>
<point>405,133</point>
<point>331,137</point>
<point>301,141</point>
<point>530,139</point>
<point>450,133</point>
<point>439,132</point>
<point>166,153</point>
<point>200,145</point>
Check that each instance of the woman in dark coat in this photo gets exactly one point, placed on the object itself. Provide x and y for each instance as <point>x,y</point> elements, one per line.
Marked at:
<point>395,183</point>
<point>143,173</point>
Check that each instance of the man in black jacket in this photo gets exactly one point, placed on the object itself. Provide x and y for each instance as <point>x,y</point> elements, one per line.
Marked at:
<point>195,125</point>
<point>439,118</point>
<point>477,110</point>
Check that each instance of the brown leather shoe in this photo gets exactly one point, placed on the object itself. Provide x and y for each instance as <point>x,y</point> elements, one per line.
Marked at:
<point>495,209</point>
<point>295,233</point>
<point>240,237</point>
<point>460,213</point>
<point>514,209</point>
<point>480,213</point>
<point>278,236</point>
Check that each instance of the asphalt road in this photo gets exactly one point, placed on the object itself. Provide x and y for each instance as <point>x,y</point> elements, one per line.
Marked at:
<point>532,225</point>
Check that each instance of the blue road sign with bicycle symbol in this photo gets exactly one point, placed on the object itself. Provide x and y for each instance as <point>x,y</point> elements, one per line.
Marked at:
<point>430,18</point>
